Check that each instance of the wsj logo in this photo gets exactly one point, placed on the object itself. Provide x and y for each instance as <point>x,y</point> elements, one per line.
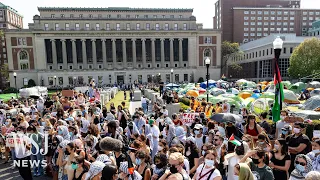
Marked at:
<point>20,142</point>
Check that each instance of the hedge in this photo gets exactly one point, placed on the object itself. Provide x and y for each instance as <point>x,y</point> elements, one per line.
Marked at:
<point>183,106</point>
<point>185,101</point>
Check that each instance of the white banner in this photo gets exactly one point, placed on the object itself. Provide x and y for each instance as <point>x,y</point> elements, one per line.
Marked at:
<point>188,118</point>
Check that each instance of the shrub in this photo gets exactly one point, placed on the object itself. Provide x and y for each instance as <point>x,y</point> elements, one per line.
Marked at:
<point>200,80</point>
<point>185,101</point>
<point>10,90</point>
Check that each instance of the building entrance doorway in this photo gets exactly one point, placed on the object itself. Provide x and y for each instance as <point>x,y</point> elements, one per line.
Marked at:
<point>120,79</point>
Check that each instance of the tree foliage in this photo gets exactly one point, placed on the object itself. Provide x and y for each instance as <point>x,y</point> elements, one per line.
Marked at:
<point>229,49</point>
<point>31,83</point>
<point>236,67</point>
<point>305,59</point>
<point>200,80</point>
<point>4,70</point>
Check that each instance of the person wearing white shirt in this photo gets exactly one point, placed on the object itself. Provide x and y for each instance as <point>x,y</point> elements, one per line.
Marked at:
<point>155,135</point>
<point>23,153</point>
<point>144,104</point>
<point>164,111</point>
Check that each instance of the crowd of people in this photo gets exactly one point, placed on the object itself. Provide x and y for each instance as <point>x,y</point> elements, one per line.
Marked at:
<point>155,146</point>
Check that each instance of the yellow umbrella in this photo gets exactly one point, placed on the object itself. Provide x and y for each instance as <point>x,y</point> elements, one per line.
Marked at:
<point>310,89</point>
<point>193,93</point>
<point>244,95</point>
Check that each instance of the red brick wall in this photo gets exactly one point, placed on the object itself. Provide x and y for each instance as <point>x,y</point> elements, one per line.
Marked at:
<point>214,55</point>
<point>200,39</point>
<point>15,57</point>
<point>13,41</point>
<point>29,41</point>
<point>214,39</point>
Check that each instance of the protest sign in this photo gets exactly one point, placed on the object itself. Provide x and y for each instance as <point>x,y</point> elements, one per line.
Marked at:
<point>188,118</point>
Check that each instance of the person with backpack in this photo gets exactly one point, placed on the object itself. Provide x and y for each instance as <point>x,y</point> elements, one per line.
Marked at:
<point>298,143</point>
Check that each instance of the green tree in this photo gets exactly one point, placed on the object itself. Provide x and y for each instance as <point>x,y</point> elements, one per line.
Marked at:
<point>236,67</point>
<point>4,70</point>
<point>228,50</point>
<point>305,59</point>
<point>200,80</point>
<point>31,83</point>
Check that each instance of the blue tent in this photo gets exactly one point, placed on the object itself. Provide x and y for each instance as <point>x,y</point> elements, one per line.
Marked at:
<point>212,83</point>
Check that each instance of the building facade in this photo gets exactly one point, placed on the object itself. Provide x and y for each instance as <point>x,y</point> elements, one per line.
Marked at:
<point>112,45</point>
<point>9,19</point>
<point>315,30</point>
<point>257,60</point>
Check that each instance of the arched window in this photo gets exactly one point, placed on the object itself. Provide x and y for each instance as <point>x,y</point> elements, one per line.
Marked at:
<point>207,53</point>
<point>23,55</point>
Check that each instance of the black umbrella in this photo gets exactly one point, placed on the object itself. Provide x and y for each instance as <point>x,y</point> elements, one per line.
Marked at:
<point>225,117</point>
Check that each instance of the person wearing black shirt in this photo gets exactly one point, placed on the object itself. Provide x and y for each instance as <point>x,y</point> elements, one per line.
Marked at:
<point>48,104</point>
<point>298,143</point>
<point>161,85</point>
<point>264,124</point>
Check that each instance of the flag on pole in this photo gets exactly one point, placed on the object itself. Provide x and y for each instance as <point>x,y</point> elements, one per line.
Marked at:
<point>234,141</point>
<point>279,96</point>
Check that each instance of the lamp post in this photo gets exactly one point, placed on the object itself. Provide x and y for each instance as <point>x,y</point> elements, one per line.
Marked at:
<point>55,82</point>
<point>171,79</point>
<point>207,62</point>
<point>74,81</point>
<point>15,83</point>
<point>152,81</point>
<point>277,46</point>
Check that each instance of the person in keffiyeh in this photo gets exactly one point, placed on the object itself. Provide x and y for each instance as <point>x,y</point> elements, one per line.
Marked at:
<point>64,132</point>
<point>95,171</point>
<point>300,171</point>
<point>124,172</point>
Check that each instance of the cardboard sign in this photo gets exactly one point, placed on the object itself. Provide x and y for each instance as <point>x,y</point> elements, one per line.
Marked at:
<point>10,140</point>
<point>292,119</point>
<point>316,133</point>
<point>188,118</point>
<point>67,93</point>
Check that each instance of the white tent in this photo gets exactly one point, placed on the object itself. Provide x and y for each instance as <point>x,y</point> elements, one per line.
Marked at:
<point>33,91</point>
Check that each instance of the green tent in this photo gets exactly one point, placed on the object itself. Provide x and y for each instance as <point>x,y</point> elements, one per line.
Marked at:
<point>297,87</point>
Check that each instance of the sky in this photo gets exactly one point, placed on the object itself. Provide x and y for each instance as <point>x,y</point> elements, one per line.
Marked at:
<point>202,9</point>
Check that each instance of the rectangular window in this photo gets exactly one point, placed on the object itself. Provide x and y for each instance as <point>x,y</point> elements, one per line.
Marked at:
<point>265,34</point>
<point>304,18</point>
<point>99,15</point>
<point>285,18</point>
<point>272,23</point>
<point>252,29</point>
<point>258,34</point>
<point>71,15</point>
<point>57,27</point>
<point>266,23</point>
<point>246,12</point>
<point>284,50</point>
<point>128,16</point>
<point>109,16</point>
<point>46,27</point>
<point>118,27</point>
<point>146,16</point>
<point>118,15</point>
<point>266,29</point>
<point>157,27</point>
<point>273,12</point>
<point>259,12</point>
<point>246,18</point>
<point>252,34</point>
<point>291,18</point>
<point>285,13</point>
<point>246,29</point>
<point>245,23</point>
<point>138,26</point>
<point>291,50</point>
<point>62,15</point>
<point>291,12</point>
<point>97,26</point>
<point>148,26</point>
<point>171,16</point>
<point>259,29</point>
<point>271,29</point>
<point>166,26</point>
<point>317,13</point>
<point>285,29</point>
<point>285,23</point>
<point>108,27</point>
<point>305,12</point>
<point>175,26</point>
<point>259,18</point>
<point>259,23</point>
<point>180,16</point>
<point>245,34</point>
<point>163,16</point>
<point>272,18</point>
<point>137,16</point>
<point>266,12</point>
<point>67,26</point>
<point>77,26</point>
<point>279,12</point>
<point>253,18</point>
<point>184,26</point>
<point>279,23</point>
<point>253,23</point>
<point>253,12</point>
<point>52,15</point>
<point>279,18</point>
<point>311,18</point>
<point>128,26</point>
<point>87,26</point>
<point>80,15</point>
<point>22,41</point>
<point>291,23</point>
<point>90,16</point>
<point>207,40</point>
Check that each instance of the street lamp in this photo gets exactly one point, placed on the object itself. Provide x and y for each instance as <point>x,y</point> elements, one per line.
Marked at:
<point>207,62</point>
<point>277,46</point>
<point>74,81</point>
<point>55,82</point>
<point>171,79</point>
<point>152,81</point>
<point>15,83</point>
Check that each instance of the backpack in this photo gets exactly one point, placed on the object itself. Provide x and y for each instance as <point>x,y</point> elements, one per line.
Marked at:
<point>204,139</point>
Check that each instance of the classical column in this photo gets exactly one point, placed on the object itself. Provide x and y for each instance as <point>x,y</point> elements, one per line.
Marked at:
<point>180,53</point>
<point>153,52</point>
<point>134,53</point>
<point>84,54</point>
<point>162,53</point>
<point>124,53</point>
<point>144,60</point>
<point>64,54</point>
<point>104,53</point>
<point>114,55</point>
<point>94,53</point>
<point>74,54</point>
<point>54,54</point>
<point>171,53</point>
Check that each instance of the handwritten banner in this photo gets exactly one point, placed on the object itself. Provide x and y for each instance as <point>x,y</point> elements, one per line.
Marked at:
<point>188,118</point>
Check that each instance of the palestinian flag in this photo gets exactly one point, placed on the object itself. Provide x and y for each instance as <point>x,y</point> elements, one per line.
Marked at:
<point>234,141</point>
<point>279,96</point>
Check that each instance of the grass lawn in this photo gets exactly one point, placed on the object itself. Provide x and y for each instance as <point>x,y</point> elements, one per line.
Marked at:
<point>118,99</point>
<point>6,97</point>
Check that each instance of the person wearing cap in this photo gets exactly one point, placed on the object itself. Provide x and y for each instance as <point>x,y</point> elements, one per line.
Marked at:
<point>286,131</point>
<point>298,143</point>
<point>200,139</point>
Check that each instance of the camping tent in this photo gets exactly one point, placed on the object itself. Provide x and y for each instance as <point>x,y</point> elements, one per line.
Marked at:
<point>315,92</point>
<point>312,103</point>
<point>211,83</point>
<point>290,97</point>
<point>297,87</point>
<point>36,91</point>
